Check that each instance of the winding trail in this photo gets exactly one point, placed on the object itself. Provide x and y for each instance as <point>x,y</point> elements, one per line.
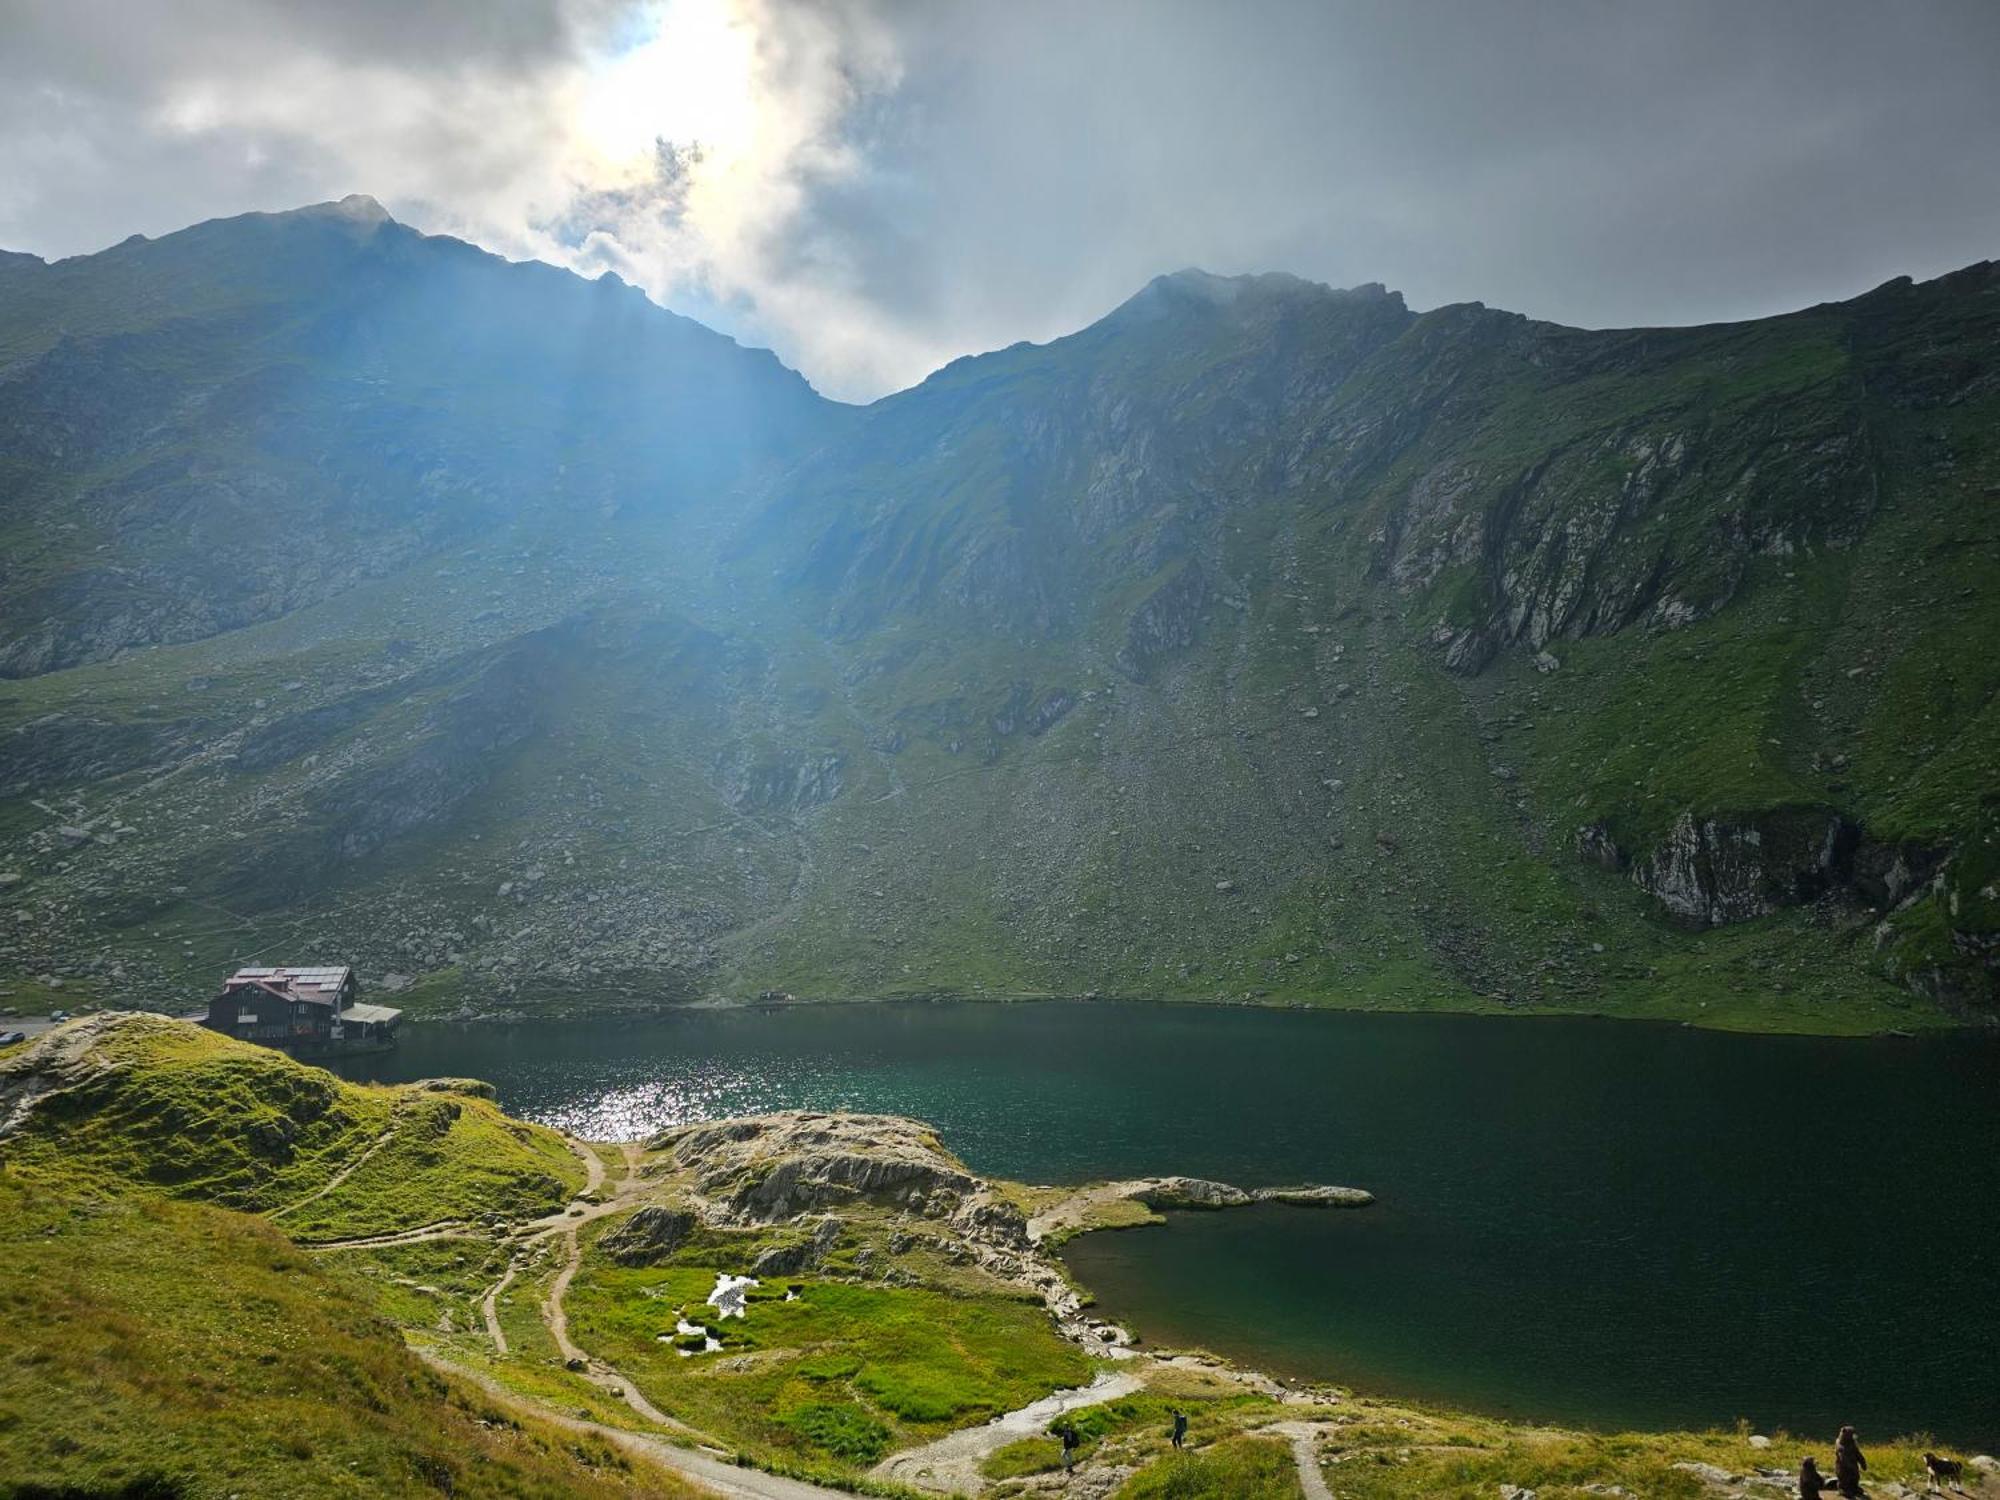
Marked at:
<point>556,1317</point>
<point>707,1467</point>
<point>489,1306</point>
<point>950,1466</point>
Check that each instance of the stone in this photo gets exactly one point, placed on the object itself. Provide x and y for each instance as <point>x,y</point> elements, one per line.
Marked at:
<point>1547,661</point>
<point>1706,1473</point>
<point>1190,1192</point>
<point>799,1255</point>
<point>767,1168</point>
<point>649,1236</point>
<point>1316,1196</point>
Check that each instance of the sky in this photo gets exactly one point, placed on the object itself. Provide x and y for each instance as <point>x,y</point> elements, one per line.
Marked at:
<point>874,187</point>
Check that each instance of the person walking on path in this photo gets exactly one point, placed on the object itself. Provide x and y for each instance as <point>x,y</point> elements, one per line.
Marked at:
<point>1180,1429</point>
<point>1067,1432</point>
<point>1848,1462</point>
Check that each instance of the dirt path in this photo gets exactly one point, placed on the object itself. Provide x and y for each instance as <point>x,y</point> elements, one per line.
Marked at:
<point>1305,1453</point>
<point>556,1317</point>
<point>950,1466</point>
<point>489,1307</point>
<point>444,1229</point>
<point>705,1467</point>
<point>593,1167</point>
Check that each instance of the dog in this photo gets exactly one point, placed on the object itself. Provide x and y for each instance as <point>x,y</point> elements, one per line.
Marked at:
<point>1941,1469</point>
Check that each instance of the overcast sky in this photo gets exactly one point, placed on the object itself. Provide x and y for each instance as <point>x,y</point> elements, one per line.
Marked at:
<point>872,188</point>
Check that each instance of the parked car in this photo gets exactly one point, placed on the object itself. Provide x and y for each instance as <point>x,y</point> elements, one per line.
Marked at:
<point>8,1038</point>
<point>58,1015</point>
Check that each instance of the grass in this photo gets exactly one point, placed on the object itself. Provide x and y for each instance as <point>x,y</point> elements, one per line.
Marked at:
<point>1241,1467</point>
<point>174,1108</point>
<point>1381,1451</point>
<point>179,1109</point>
<point>447,1157</point>
<point>835,1378</point>
<point>152,1341</point>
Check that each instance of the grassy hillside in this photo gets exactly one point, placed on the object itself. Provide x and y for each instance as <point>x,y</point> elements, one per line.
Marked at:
<point>166,1349</point>
<point>142,1103</point>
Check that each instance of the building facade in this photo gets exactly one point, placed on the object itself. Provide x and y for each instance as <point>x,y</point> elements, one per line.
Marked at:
<point>303,1011</point>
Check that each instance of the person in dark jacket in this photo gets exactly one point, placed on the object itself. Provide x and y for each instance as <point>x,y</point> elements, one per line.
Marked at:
<point>1070,1439</point>
<point>1848,1463</point>
<point>1180,1428</point>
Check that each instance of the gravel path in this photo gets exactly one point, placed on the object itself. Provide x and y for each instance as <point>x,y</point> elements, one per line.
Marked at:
<point>711,1469</point>
<point>950,1466</point>
<point>1305,1453</point>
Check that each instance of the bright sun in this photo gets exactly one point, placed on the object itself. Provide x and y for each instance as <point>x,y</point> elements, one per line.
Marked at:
<point>687,77</point>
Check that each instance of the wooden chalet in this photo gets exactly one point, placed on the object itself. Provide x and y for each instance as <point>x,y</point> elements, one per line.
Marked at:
<point>302,1011</point>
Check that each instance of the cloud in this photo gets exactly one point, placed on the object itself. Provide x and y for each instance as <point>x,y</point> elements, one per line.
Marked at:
<point>875,186</point>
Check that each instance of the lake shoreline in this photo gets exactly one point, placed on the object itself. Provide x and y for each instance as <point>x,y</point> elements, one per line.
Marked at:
<point>1920,1021</point>
<point>1509,1160</point>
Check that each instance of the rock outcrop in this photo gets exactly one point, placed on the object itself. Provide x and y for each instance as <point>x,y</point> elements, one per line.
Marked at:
<point>764,1169</point>
<point>1316,1197</point>
<point>650,1235</point>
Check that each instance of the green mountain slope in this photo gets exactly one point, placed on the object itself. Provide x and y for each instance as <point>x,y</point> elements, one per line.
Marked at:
<point>1259,640</point>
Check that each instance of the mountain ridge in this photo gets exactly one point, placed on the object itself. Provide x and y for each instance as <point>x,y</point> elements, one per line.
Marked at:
<point>564,656</point>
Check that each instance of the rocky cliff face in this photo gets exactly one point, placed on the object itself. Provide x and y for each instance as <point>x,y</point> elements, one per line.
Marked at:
<point>1258,640</point>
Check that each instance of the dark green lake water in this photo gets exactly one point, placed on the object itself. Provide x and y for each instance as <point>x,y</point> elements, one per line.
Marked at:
<point>1590,1222</point>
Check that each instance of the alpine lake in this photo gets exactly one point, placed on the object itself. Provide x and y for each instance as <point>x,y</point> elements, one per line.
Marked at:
<point>1606,1224</point>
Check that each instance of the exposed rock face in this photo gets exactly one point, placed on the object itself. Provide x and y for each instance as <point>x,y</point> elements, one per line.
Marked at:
<point>766,1168</point>
<point>1190,1192</point>
<point>803,1254</point>
<point>1166,623</point>
<point>649,1236</point>
<point>61,1059</point>
<point>1713,871</point>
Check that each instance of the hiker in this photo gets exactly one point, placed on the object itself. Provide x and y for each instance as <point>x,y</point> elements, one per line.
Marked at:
<point>1848,1463</point>
<point>1811,1481</point>
<point>1180,1429</point>
<point>1067,1432</point>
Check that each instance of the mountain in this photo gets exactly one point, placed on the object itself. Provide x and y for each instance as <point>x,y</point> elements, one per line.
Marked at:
<point>372,599</point>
